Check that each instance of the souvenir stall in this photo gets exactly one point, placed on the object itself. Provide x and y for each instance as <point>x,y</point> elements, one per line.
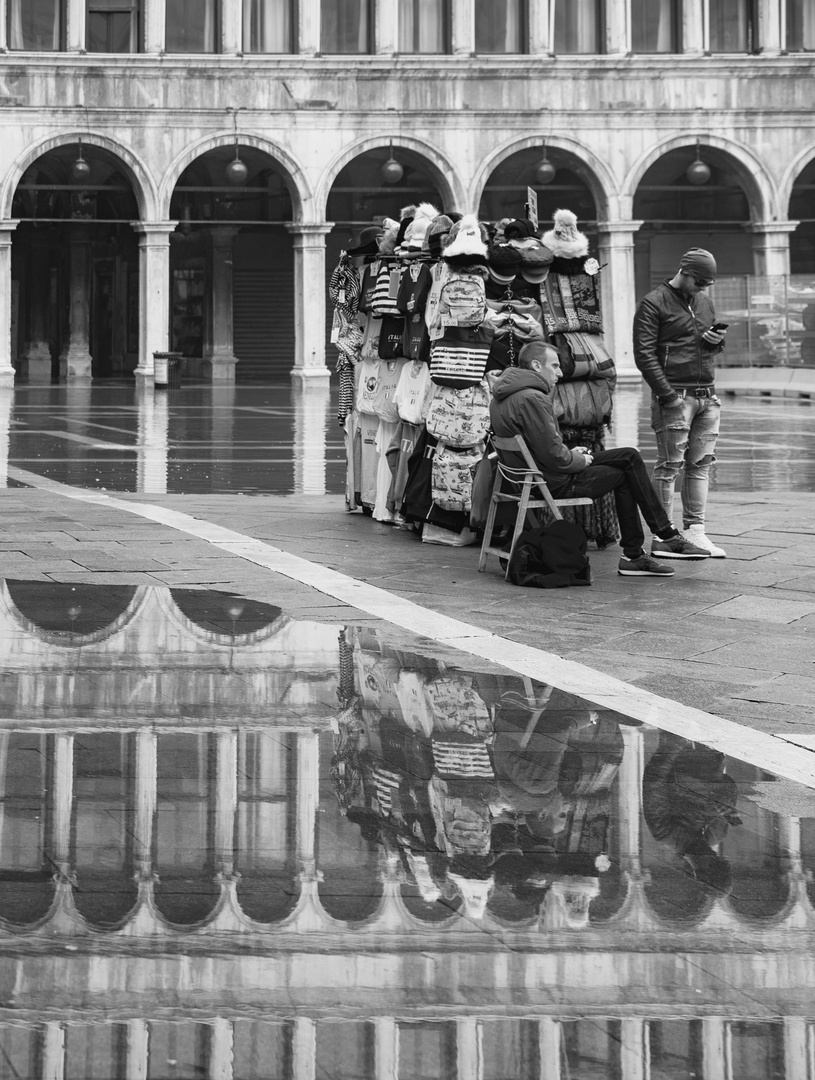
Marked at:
<point>428,309</point>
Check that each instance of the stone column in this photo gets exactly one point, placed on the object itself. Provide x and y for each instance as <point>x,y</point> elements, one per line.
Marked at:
<point>53,1051</point>
<point>469,1055</point>
<point>75,25</point>
<point>549,1044</point>
<point>145,803</point>
<point>137,1050</point>
<point>616,251</point>
<point>771,247</point>
<point>541,28</point>
<point>6,366</point>
<point>221,1050</point>
<point>155,26</point>
<point>6,406</point>
<point>462,36</point>
<point>634,1049</point>
<point>304,1049</point>
<point>226,801</point>
<point>3,26</point>
<point>231,35</point>
<point>311,404</point>
<point>386,28</point>
<point>75,359</point>
<point>715,1049</point>
<point>63,803</point>
<point>219,357</point>
<point>307,799</point>
<point>154,292</point>
<point>309,302</point>
<point>798,1048</point>
<point>629,801</point>
<point>37,348</point>
<point>771,25</point>
<point>386,1048</point>
<point>695,36</point>
<point>618,28</point>
<point>308,28</point>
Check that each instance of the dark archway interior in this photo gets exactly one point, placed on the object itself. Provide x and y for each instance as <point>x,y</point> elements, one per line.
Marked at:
<point>505,193</point>
<point>802,209</point>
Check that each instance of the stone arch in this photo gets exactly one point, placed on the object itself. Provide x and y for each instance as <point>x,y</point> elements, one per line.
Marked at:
<point>440,167</point>
<point>133,600</point>
<point>291,170</point>
<point>791,174</point>
<point>599,178</point>
<point>758,185</point>
<point>144,187</point>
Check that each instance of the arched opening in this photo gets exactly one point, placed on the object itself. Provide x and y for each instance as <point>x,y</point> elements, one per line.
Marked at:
<point>72,610</point>
<point>75,266</point>
<point>802,241</point>
<point>225,614</point>
<point>361,195</point>
<point>565,183</point>
<point>232,266</point>
<point>678,213</point>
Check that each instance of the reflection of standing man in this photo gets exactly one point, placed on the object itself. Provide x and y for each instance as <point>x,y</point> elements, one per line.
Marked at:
<point>674,348</point>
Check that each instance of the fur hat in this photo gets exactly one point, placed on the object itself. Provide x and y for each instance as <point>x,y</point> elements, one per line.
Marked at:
<point>436,236</point>
<point>415,234</point>
<point>467,243</point>
<point>565,240</point>
<point>405,220</point>
<point>387,241</point>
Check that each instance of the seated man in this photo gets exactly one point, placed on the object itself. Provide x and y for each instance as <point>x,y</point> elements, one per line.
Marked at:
<point>522,405</point>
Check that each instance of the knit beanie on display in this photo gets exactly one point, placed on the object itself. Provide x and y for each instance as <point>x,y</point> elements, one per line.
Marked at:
<point>700,263</point>
<point>436,236</point>
<point>415,234</point>
<point>565,241</point>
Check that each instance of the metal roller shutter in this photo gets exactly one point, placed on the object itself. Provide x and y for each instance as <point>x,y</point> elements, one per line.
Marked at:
<point>263,313</point>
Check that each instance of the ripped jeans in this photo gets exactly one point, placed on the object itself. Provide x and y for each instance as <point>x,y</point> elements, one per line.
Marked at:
<point>686,443</point>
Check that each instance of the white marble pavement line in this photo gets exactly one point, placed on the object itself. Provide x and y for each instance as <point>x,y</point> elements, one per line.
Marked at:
<point>768,752</point>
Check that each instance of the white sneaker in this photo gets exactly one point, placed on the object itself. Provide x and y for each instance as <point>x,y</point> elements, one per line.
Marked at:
<point>695,534</point>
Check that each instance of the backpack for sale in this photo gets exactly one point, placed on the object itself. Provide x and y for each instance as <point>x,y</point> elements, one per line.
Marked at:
<point>452,476</point>
<point>463,300</point>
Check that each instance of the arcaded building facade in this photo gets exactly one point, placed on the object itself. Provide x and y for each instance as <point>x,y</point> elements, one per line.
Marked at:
<point>182,175</point>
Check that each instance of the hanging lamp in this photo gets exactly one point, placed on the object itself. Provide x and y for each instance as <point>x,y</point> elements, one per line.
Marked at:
<point>545,172</point>
<point>391,171</point>
<point>697,173</point>
<point>80,170</point>
<point>236,170</point>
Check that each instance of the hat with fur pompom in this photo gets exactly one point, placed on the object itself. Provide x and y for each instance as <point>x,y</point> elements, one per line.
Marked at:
<point>467,243</point>
<point>415,233</point>
<point>390,232</point>
<point>565,241</point>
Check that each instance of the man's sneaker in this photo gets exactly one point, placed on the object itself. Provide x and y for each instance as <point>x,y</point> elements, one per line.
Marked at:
<point>695,534</point>
<point>644,566</point>
<point>677,548</point>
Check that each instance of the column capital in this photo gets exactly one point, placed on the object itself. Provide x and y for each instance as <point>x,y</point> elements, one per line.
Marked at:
<point>154,228</point>
<point>7,227</point>
<point>767,227</point>
<point>309,228</point>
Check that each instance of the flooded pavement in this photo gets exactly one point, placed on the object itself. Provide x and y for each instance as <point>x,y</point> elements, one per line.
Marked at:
<point>281,440</point>
<point>239,845</point>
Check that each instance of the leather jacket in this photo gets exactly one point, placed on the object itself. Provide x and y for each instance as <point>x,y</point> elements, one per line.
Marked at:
<point>668,346</point>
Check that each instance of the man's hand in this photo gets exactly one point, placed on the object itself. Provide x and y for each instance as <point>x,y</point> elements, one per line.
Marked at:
<point>714,337</point>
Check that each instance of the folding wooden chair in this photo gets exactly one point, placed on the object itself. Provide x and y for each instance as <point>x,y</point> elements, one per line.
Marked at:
<point>521,482</point>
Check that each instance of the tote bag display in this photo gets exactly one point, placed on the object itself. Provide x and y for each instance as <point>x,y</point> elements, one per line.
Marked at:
<point>459,358</point>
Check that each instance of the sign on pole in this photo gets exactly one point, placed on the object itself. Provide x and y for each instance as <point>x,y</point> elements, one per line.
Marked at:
<point>532,206</point>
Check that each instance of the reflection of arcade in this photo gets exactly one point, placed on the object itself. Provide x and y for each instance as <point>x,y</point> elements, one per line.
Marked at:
<point>176,868</point>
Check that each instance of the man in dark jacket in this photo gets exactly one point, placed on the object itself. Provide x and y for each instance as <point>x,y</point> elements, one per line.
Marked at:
<point>674,347</point>
<point>522,405</point>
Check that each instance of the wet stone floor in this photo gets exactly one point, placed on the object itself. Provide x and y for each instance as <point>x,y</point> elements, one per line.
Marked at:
<point>243,846</point>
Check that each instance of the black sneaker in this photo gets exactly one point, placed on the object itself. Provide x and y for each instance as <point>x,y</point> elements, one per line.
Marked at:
<point>677,548</point>
<point>644,566</point>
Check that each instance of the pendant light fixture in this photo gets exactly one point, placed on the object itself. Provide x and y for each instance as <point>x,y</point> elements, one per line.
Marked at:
<point>545,172</point>
<point>391,171</point>
<point>80,170</point>
<point>236,170</point>
<point>697,173</point>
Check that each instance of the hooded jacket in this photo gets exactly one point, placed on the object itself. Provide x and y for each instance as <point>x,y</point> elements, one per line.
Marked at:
<point>522,405</point>
<point>668,346</point>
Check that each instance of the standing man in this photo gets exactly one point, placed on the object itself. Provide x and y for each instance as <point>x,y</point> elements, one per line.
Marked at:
<point>522,405</point>
<point>676,339</point>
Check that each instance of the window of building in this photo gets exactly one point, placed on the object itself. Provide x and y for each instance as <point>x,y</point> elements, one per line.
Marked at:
<point>191,26</point>
<point>346,26</point>
<point>35,25</point>
<point>655,26</point>
<point>578,26</point>
<point>267,26</point>
<point>422,26</point>
<point>499,26</point>
<point>112,26</point>
<point>800,25</point>
<point>732,26</point>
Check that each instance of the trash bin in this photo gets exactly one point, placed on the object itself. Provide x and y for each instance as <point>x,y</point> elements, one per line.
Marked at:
<point>167,370</point>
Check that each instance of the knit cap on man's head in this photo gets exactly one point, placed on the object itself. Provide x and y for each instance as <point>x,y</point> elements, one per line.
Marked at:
<point>699,262</point>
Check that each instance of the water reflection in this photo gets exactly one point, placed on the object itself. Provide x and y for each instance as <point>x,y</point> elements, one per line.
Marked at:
<point>237,845</point>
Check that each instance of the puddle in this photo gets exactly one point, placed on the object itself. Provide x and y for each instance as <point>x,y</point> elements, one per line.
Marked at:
<point>238,845</point>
